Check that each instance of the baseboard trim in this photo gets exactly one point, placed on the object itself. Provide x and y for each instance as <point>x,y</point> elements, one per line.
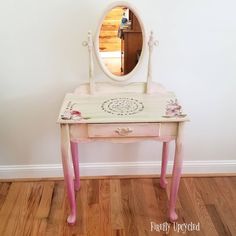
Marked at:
<point>226,167</point>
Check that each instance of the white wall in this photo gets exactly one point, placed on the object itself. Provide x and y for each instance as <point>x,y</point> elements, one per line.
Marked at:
<point>41,58</point>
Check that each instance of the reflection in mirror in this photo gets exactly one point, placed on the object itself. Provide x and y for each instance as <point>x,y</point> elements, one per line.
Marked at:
<point>120,41</point>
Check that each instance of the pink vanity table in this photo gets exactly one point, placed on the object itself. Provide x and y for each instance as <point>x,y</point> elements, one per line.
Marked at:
<point>129,113</point>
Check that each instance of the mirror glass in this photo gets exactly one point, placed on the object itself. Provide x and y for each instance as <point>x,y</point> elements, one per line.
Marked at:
<point>120,41</point>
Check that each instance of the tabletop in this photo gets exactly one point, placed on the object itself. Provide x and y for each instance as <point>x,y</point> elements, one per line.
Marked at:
<point>120,107</point>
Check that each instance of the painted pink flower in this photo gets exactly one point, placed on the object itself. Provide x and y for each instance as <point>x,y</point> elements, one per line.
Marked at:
<point>75,113</point>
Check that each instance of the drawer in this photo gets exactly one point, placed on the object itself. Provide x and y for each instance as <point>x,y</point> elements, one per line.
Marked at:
<point>124,130</point>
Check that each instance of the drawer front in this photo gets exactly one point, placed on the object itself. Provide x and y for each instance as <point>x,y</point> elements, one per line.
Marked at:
<point>124,130</point>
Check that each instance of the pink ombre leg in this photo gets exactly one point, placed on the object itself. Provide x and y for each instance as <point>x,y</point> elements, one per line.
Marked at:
<point>68,171</point>
<point>176,174</point>
<point>75,159</point>
<point>165,154</point>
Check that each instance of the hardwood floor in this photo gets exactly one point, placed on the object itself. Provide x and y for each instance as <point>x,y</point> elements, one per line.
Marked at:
<point>118,207</point>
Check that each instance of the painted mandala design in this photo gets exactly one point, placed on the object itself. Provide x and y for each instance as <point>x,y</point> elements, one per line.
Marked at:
<point>122,106</point>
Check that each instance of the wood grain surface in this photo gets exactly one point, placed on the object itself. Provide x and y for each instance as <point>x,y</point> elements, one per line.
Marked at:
<point>117,206</point>
<point>108,37</point>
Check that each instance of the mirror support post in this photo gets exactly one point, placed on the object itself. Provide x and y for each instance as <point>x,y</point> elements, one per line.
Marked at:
<point>89,44</point>
<point>151,44</point>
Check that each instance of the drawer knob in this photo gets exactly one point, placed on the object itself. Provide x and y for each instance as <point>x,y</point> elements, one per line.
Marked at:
<point>123,131</point>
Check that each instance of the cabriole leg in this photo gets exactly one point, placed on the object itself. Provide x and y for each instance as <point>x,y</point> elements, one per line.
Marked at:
<point>176,174</point>
<point>68,171</point>
<point>75,159</point>
<point>165,154</point>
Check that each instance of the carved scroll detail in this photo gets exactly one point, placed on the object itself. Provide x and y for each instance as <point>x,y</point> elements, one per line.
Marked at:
<point>151,44</point>
<point>89,44</point>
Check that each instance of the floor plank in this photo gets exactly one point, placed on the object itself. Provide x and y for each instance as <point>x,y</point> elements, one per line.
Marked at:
<point>116,208</point>
<point>127,200</point>
<point>93,208</point>
<point>199,207</point>
<point>4,188</point>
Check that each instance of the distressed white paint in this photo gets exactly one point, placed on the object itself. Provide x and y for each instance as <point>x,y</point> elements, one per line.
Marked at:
<point>151,44</point>
<point>89,44</point>
<point>154,108</point>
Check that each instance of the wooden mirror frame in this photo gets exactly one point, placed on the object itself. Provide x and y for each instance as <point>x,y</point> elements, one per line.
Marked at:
<point>96,43</point>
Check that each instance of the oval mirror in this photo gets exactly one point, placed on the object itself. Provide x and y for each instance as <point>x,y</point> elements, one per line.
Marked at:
<point>120,42</point>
